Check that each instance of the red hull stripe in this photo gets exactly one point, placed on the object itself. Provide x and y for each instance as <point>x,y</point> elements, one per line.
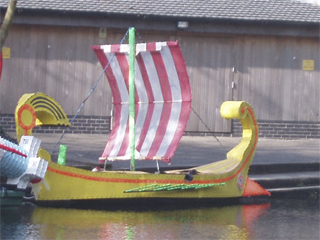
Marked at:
<point>124,180</point>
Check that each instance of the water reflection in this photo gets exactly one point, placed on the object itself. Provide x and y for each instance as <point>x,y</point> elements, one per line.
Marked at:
<point>229,222</point>
<point>281,219</point>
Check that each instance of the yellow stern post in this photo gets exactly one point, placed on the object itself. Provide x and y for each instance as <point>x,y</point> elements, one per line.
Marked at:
<point>38,109</point>
<point>250,130</point>
<point>245,150</point>
<point>243,153</point>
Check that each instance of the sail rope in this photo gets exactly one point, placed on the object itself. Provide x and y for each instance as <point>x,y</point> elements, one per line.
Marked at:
<point>206,126</point>
<point>89,94</point>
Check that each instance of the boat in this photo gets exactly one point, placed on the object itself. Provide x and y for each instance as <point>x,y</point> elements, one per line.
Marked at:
<point>11,197</point>
<point>152,103</point>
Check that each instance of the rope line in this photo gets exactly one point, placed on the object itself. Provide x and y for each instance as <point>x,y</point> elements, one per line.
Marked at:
<point>89,94</point>
<point>206,126</point>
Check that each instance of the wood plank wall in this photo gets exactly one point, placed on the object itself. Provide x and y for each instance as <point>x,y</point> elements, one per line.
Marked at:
<point>266,71</point>
<point>210,63</point>
<point>58,62</point>
<point>270,76</point>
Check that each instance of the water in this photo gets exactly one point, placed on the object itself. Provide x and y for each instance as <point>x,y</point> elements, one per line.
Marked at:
<point>277,219</point>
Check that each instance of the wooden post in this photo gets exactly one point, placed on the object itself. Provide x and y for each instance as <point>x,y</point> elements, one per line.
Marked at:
<point>7,20</point>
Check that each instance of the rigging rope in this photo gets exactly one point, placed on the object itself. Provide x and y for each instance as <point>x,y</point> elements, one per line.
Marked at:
<point>89,94</point>
<point>207,127</point>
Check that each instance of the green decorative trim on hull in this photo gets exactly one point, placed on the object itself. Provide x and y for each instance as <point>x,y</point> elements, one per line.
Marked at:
<point>168,187</point>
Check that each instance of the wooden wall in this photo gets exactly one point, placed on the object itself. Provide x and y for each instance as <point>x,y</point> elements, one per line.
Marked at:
<point>265,71</point>
<point>269,74</point>
<point>58,62</point>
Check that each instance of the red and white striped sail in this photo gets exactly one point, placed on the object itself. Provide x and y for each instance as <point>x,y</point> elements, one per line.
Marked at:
<point>162,99</point>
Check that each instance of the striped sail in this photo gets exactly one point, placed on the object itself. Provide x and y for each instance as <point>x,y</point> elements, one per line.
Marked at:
<point>162,99</point>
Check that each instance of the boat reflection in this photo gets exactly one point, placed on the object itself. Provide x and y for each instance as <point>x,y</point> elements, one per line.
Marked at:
<point>228,222</point>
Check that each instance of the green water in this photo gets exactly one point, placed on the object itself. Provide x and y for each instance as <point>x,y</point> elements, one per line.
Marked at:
<point>285,219</point>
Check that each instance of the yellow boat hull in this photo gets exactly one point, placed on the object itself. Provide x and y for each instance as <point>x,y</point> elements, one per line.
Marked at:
<point>224,179</point>
<point>69,183</point>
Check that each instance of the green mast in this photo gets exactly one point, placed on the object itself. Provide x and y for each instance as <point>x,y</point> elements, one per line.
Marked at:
<point>132,58</point>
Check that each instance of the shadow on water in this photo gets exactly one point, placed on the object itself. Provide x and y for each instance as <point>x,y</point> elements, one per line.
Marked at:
<point>148,204</point>
<point>281,219</point>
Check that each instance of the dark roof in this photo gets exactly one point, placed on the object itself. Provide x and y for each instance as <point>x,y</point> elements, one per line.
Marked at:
<point>252,10</point>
